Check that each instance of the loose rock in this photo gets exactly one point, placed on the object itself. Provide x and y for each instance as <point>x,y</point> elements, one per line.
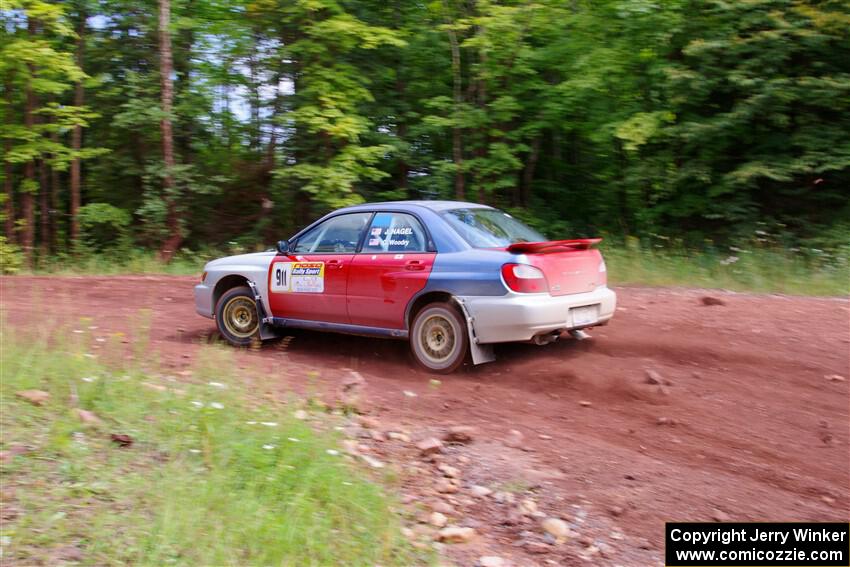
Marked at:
<point>88,417</point>
<point>368,422</point>
<point>719,516</point>
<point>556,527</point>
<point>121,439</point>
<point>834,378</point>
<point>461,434</point>
<point>372,462</point>
<point>449,471</point>
<point>480,491</point>
<point>446,486</point>
<point>491,561</point>
<point>585,404</point>
<point>443,507</point>
<point>352,381</point>
<point>455,534</point>
<point>35,397</point>
<point>350,447</point>
<point>300,414</point>
<point>430,446</point>
<point>398,436</point>
<point>709,300</point>
<point>527,507</point>
<point>503,497</point>
<point>515,439</point>
<point>438,519</point>
<point>653,377</point>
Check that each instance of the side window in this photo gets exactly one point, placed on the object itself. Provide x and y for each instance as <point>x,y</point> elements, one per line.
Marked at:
<point>395,232</point>
<point>337,235</point>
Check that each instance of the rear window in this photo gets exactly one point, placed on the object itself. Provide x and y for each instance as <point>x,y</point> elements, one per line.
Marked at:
<point>490,228</point>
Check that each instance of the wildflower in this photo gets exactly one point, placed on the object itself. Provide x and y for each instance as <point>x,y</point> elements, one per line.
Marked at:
<point>197,404</point>
<point>195,451</point>
<point>268,447</point>
<point>294,440</point>
<point>217,385</point>
<point>216,405</point>
<point>270,423</point>
<point>88,378</point>
<point>333,452</point>
<point>729,260</point>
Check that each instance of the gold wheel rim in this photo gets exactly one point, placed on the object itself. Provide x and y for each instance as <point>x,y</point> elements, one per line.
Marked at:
<point>240,317</point>
<point>437,338</point>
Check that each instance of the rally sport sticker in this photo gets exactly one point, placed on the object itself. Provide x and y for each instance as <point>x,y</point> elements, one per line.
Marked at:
<point>298,277</point>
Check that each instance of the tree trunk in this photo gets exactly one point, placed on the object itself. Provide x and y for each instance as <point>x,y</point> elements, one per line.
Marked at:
<point>457,97</point>
<point>254,90</point>
<point>54,201</point>
<point>44,210</point>
<point>8,186</point>
<point>175,238</point>
<point>77,133</point>
<point>27,204</point>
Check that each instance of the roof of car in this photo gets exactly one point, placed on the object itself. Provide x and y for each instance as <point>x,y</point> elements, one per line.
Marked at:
<point>433,205</point>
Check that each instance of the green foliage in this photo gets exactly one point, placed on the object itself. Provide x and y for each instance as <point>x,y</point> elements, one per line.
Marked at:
<point>694,119</point>
<point>237,479</point>
<point>11,258</point>
<point>104,227</point>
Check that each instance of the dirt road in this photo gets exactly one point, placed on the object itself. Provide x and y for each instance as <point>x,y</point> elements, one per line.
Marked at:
<point>743,426</point>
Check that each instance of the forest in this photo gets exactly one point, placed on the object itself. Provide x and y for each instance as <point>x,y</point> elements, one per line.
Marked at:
<point>172,125</point>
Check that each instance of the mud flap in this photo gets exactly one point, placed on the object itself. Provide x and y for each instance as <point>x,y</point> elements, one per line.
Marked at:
<point>480,353</point>
<point>267,330</point>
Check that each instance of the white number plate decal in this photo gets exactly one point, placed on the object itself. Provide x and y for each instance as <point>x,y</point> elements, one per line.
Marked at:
<point>298,277</point>
<point>584,315</point>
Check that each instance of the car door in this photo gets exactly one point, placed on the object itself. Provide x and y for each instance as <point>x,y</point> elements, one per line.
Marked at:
<point>392,266</point>
<point>311,282</point>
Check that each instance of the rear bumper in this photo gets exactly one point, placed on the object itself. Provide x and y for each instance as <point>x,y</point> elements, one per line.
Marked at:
<point>519,317</point>
<point>203,300</point>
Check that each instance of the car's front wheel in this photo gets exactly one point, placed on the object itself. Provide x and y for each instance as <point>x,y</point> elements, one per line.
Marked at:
<point>236,316</point>
<point>438,338</point>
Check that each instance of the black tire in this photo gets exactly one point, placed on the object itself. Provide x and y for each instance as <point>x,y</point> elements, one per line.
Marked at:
<point>438,338</point>
<point>236,316</point>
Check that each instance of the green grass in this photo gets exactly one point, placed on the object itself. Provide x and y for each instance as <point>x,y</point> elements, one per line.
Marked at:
<point>204,483</point>
<point>766,270</point>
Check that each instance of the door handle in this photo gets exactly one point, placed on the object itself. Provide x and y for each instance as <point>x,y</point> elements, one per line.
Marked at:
<point>334,264</point>
<point>414,265</point>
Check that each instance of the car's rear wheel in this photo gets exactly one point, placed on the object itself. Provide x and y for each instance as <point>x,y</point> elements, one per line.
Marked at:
<point>236,316</point>
<point>438,338</point>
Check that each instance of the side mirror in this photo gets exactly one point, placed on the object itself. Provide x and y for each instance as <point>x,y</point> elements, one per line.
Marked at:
<point>283,246</point>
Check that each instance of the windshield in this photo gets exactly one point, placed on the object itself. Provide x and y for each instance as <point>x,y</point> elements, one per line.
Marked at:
<point>490,228</point>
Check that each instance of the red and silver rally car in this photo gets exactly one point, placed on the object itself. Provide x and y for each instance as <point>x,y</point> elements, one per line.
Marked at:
<point>453,278</point>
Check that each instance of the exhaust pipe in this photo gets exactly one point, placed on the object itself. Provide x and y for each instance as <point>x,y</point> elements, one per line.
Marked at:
<point>579,335</point>
<point>546,338</point>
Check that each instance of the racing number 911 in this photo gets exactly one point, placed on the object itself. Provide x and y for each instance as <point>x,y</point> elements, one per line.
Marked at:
<point>451,278</point>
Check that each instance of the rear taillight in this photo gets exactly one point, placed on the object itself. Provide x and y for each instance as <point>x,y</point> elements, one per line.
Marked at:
<point>203,277</point>
<point>603,273</point>
<point>523,278</point>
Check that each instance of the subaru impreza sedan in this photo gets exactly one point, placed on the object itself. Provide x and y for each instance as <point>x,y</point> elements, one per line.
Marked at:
<point>452,278</point>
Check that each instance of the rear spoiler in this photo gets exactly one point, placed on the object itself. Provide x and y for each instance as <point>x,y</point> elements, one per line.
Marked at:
<point>553,246</point>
